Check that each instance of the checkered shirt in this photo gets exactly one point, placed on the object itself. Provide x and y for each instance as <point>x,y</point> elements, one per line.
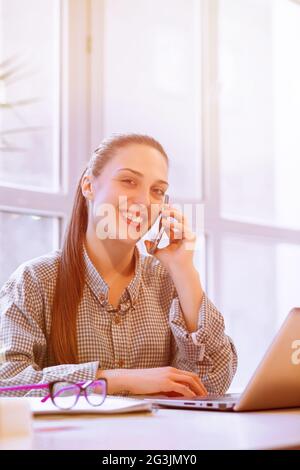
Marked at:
<point>147,330</point>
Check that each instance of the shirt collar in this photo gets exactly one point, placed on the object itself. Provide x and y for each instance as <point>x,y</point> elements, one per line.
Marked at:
<point>100,287</point>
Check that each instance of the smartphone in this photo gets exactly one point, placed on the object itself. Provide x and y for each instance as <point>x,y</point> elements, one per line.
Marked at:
<point>157,239</point>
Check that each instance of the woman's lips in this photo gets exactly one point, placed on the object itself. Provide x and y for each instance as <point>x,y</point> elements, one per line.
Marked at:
<point>135,220</point>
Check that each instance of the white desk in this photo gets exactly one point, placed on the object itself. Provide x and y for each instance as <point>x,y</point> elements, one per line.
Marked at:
<point>170,429</point>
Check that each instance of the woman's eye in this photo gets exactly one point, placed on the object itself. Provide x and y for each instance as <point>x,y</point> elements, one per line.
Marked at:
<point>128,181</point>
<point>160,192</point>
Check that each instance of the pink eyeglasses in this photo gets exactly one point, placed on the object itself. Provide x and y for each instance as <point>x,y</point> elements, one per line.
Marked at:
<point>64,395</point>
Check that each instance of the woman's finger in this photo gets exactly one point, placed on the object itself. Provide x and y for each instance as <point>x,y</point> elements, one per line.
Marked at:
<point>176,214</point>
<point>173,229</point>
<point>190,374</point>
<point>177,230</point>
<point>174,236</point>
<point>192,383</point>
<point>182,389</point>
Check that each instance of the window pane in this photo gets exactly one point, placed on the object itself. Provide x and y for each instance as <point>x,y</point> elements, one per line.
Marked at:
<point>23,237</point>
<point>259,286</point>
<point>152,84</point>
<point>259,75</point>
<point>29,92</point>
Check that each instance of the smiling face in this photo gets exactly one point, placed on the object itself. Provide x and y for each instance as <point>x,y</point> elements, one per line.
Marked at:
<point>131,187</point>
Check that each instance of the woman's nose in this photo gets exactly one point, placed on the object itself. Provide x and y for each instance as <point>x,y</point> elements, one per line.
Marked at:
<point>142,199</point>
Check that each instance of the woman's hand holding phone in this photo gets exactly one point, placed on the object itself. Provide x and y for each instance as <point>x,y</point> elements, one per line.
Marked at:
<point>180,250</point>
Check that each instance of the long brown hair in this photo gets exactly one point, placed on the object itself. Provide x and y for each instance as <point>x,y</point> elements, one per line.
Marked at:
<point>71,268</point>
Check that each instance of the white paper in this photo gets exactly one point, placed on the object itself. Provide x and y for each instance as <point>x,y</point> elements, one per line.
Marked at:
<point>110,405</point>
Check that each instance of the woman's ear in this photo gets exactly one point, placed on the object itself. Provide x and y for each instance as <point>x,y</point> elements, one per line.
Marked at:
<point>87,187</point>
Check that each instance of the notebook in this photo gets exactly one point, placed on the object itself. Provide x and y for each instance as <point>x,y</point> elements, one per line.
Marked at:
<point>111,405</point>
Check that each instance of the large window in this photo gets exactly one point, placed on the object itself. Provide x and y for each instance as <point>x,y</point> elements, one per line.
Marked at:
<point>44,141</point>
<point>253,166</point>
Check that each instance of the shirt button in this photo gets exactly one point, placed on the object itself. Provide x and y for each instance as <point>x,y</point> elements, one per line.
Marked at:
<point>117,319</point>
<point>121,363</point>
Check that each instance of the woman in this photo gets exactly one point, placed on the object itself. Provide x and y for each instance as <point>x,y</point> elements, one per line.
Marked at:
<point>99,308</point>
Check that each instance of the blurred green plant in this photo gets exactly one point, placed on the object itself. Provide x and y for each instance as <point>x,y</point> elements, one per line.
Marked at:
<point>12,71</point>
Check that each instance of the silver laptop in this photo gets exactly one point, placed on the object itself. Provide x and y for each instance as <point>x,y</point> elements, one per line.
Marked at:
<point>274,384</point>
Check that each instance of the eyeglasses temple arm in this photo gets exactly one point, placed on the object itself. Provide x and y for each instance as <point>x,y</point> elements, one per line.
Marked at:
<point>24,387</point>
